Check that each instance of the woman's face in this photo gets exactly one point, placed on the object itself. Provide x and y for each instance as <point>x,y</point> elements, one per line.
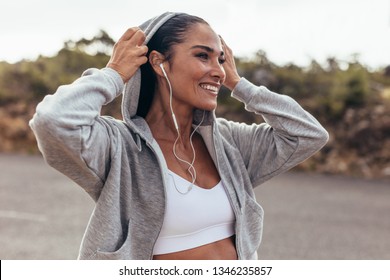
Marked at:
<point>195,70</point>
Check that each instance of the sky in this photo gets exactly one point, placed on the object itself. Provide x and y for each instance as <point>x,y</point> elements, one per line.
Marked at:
<point>289,31</point>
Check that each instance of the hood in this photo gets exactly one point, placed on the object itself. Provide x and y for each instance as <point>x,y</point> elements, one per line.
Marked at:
<point>132,88</point>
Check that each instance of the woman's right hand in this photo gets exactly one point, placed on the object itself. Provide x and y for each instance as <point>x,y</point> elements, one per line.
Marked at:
<point>129,53</point>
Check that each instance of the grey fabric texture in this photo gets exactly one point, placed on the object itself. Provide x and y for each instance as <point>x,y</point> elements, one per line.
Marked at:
<point>120,165</point>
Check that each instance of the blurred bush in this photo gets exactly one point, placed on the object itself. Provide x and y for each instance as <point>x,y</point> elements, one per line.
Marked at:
<point>349,99</point>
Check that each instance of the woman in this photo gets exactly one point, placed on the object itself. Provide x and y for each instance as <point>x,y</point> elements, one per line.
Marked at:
<point>171,181</point>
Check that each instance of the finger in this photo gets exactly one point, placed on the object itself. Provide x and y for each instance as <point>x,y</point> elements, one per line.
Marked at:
<point>129,33</point>
<point>224,45</point>
<point>142,50</point>
<point>222,41</point>
<point>138,50</point>
<point>141,60</point>
<point>138,38</point>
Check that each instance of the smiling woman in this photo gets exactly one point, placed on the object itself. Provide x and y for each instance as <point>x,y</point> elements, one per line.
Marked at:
<point>171,181</point>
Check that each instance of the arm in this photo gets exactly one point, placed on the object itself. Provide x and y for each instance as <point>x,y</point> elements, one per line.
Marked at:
<point>289,136</point>
<point>71,135</point>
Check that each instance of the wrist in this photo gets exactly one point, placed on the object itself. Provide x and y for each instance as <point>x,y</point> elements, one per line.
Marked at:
<point>115,68</point>
<point>231,84</point>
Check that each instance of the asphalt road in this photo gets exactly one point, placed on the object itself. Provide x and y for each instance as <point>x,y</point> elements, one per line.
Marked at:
<point>43,215</point>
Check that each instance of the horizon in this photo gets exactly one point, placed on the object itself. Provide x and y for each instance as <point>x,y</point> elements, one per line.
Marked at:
<point>289,32</point>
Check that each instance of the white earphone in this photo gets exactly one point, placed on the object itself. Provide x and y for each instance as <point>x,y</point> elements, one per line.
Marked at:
<point>191,168</point>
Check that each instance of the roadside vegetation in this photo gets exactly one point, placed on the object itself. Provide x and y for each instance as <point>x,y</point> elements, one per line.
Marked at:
<point>351,100</point>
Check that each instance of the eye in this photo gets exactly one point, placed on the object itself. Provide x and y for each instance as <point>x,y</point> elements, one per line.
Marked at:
<point>202,55</point>
<point>221,60</point>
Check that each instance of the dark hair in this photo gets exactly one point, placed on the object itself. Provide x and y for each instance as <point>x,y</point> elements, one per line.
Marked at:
<point>169,34</point>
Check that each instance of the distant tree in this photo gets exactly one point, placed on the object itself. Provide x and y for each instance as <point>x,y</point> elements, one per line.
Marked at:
<point>332,64</point>
<point>387,72</point>
<point>262,60</point>
<point>315,68</point>
<point>102,43</point>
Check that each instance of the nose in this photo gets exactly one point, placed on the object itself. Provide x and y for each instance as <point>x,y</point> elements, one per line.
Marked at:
<point>218,71</point>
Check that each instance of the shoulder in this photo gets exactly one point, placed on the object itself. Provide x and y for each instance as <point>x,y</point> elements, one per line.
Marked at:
<point>224,126</point>
<point>228,129</point>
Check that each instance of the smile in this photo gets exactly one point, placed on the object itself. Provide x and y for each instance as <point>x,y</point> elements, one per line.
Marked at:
<point>209,87</point>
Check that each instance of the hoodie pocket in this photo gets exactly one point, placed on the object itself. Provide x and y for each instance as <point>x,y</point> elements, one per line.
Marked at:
<point>251,227</point>
<point>123,251</point>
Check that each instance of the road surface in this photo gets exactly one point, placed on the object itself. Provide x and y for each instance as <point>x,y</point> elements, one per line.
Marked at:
<point>43,215</point>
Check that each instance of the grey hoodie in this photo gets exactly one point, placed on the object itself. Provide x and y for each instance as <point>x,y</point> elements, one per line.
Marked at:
<point>121,166</point>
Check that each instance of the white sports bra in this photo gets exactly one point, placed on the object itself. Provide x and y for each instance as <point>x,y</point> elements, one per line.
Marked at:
<point>199,217</point>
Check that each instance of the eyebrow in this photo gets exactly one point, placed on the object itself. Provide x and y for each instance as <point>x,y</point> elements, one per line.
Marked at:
<point>206,48</point>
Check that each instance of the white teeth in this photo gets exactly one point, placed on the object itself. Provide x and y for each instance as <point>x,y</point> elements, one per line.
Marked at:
<point>209,87</point>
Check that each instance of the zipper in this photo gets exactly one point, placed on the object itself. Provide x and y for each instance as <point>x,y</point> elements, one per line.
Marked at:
<point>160,163</point>
<point>235,210</point>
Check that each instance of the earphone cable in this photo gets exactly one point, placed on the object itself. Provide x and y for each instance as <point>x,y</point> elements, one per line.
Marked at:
<point>191,169</point>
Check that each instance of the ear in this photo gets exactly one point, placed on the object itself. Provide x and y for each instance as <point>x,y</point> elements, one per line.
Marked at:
<point>155,59</point>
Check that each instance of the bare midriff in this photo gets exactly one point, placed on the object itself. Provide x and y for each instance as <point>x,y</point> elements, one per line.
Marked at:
<point>224,249</point>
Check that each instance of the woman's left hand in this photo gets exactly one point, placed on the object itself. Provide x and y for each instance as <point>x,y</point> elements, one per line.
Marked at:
<point>232,77</point>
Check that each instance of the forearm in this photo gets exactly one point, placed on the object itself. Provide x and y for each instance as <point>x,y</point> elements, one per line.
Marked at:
<point>79,103</point>
<point>281,112</point>
<point>70,134</point>
<point>289,136</point>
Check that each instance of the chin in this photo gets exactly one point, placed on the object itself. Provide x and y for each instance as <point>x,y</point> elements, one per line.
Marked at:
<point>208,107</point>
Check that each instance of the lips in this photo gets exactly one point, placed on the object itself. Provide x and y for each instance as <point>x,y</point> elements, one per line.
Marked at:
<point>211,88</point>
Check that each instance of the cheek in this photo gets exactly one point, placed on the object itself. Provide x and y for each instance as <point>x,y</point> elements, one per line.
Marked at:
<point>200,70</point>
<point>192,73</point>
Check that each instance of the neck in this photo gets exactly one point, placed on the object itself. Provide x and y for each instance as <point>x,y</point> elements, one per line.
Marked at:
<point>160,119</point>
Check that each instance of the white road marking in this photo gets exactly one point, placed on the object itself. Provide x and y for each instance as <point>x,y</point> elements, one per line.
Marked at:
<point>22,216</point>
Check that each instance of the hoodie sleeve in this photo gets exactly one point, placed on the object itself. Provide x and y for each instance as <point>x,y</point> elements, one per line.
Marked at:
<point>289,135</point>
<point>71,135</point>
